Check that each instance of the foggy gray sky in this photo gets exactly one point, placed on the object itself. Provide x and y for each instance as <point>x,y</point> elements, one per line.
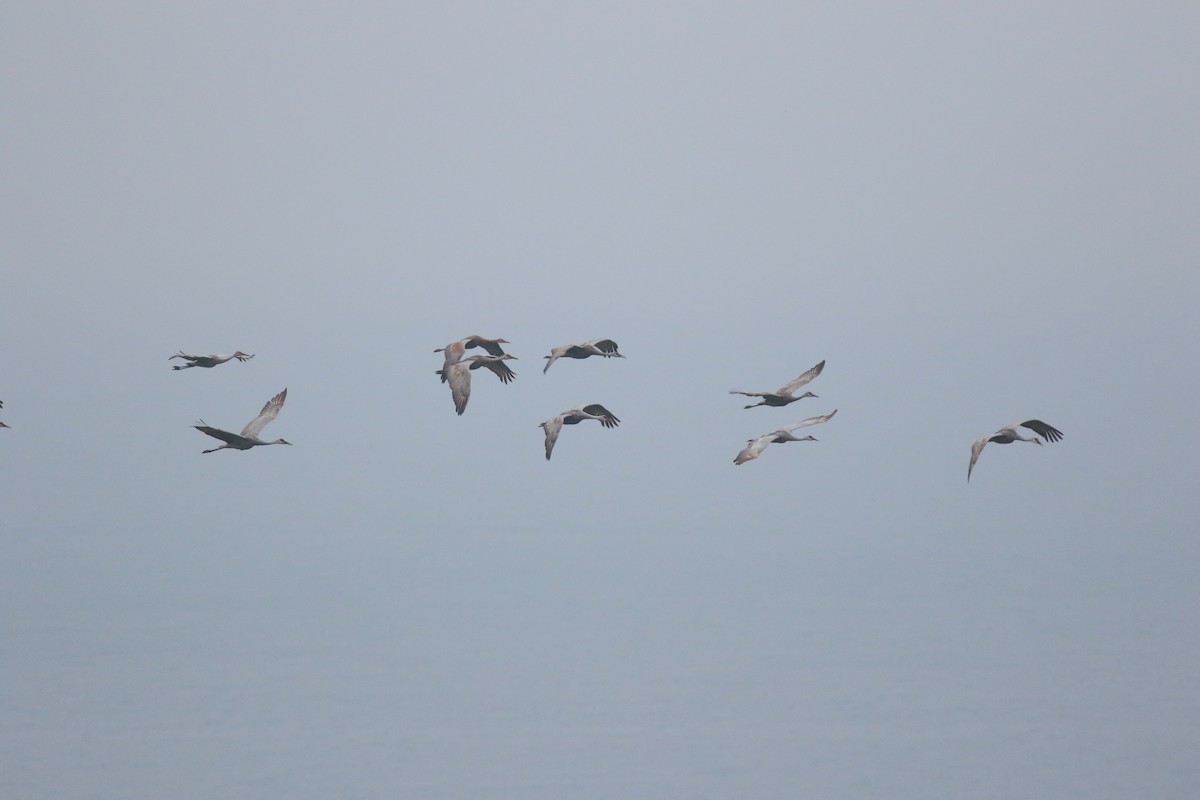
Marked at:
<point>975,214</point>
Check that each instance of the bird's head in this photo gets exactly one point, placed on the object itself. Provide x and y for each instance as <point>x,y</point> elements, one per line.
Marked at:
<point>806,394</point>
<point>1037,441</point>
<point>243,356</point>
<point>282,441</point>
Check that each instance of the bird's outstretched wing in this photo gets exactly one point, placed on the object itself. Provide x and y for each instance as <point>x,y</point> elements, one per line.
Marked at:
<point>800,380</point>
<point>976,449</point>
<point>497,366</point>
<point>1047,432</point>
<point>752,450</point>
<point>606,346</point>
<point>269,412</point>
<point>607,418</point>
<point>492,346</point>
<point>810,421</point>
<point>217,433</point>
<point>459,376</point>
<point>553,427</point>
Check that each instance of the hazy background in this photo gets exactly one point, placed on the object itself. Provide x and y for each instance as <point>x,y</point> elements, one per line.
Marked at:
<point>976,214</point>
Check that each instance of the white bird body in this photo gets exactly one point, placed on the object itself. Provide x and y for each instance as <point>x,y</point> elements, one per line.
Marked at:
<point>209,361</point>
<point>455,350</point>
<point>248,438</point>
<point>459,375</point>
<point>1009,434</point>
<point>783,395</point>
<point>755,446</point>
<point>593,347</point>
<point>573,416</point>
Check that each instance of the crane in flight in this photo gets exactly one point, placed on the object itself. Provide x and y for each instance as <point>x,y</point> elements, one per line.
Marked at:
<point>455,350</point>
<point>1009,434</point>
<point>209,361</point>
<point>593,347</point>
<point>754,447</point>
<point>249,436</point>
<point>459,375</point>
<point>784,394</point>
<point>573,416</point>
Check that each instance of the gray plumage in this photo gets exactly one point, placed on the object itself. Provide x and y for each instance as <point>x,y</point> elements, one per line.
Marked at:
<point>249,436</point>
<point>459,375</point>
<point>783,395</point>
<point>1009,434</point>
<point>606,348</point>
<point>209,361</point>
<point>455,350</point>
<point>755,446</point>
<point>573,416</point>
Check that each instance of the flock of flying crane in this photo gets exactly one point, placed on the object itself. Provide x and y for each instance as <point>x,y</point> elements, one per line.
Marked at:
<point>456,370</point>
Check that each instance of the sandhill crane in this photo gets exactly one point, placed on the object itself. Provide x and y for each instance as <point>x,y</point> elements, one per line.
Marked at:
<point>1009,434</point>
<point>455,350</point>
<point>755,446</point>
<point>783,395</point>
<point>209,361</point>
<point>459,375</point>
<point>573,416</point>
<point>249,436</point>
<point>592,347</point>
